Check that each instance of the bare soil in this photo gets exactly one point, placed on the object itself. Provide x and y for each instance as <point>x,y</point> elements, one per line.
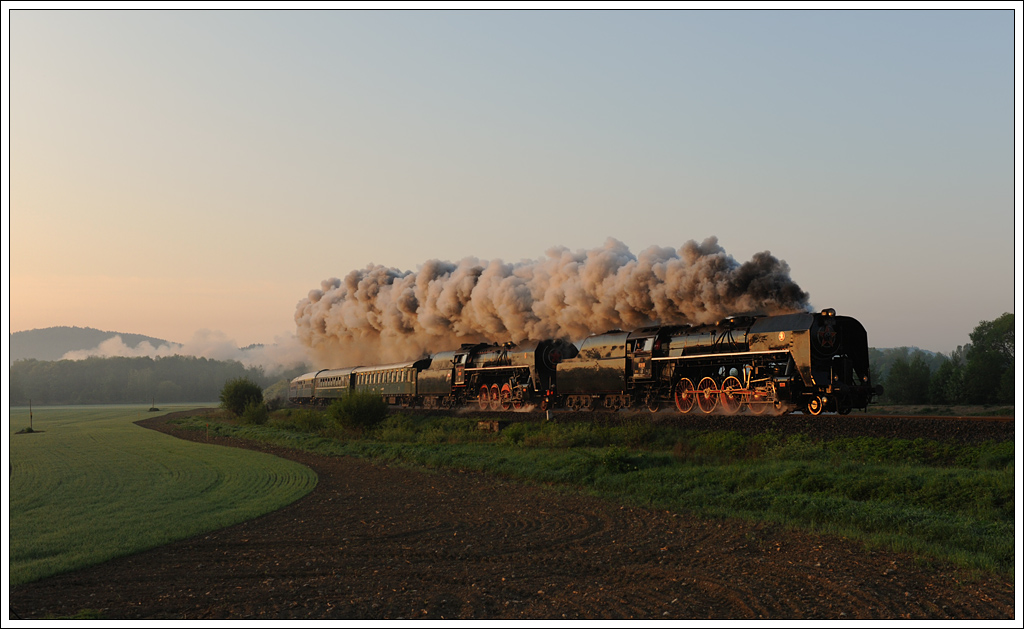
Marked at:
<point>378,541</point>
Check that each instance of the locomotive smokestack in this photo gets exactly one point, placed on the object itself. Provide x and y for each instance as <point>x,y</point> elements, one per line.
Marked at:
<point>384,314</point>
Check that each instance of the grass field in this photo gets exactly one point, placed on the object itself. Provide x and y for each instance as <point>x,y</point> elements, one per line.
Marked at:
<point>88,485</point>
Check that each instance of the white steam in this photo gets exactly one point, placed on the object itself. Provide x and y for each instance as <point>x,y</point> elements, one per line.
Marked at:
<point>381,314</point>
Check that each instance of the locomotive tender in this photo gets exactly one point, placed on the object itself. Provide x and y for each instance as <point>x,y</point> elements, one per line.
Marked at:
<point>812,362</point>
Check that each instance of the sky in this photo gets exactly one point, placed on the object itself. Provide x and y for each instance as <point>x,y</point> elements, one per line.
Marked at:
<point>182,174</point>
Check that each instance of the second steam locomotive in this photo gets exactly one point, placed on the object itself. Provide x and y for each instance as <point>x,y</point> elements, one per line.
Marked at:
<point>813,362</point>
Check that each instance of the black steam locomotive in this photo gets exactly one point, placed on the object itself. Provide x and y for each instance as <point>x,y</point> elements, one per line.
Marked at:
<point>813,362</point>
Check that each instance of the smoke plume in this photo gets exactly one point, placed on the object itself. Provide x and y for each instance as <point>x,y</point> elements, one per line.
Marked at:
<point>379,314</point>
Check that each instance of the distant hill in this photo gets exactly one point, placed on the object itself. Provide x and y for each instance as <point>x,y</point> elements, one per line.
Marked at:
<point>53,343</point>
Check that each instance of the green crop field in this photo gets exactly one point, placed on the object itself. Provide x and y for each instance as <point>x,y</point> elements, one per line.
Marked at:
<point>88,485</point>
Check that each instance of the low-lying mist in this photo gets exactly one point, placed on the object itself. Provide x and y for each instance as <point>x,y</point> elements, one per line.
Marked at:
<point>284,354</point>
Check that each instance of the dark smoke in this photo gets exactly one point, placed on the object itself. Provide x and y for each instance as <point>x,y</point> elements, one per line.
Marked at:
<point>380,314</point>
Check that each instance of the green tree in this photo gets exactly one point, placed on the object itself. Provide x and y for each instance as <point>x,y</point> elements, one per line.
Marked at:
<point>947,384</point>
<point>239,393</point>
<point>989,371</point>
<point>908,381</point>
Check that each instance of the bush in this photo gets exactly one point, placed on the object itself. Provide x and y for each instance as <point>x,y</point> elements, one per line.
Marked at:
<point>359,410</point>
<point>255,413</point>
<point>300,420</point>
<point>239,393</point>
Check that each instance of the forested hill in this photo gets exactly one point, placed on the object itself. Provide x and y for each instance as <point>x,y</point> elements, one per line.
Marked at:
<point>121,380</point>
<point>53,343</point>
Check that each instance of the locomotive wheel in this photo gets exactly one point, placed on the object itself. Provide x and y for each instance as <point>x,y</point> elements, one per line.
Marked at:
<point>517,402</point>
<point>653,403</point>
<point>506,397</point>
<point>685,396</point>
<point>495,397</point>
<point>731,400</point>
<point>756,402</point>
<point>544,404</point>
<point>815,405</point>
<point>484,397</point>
<point>707,395</point>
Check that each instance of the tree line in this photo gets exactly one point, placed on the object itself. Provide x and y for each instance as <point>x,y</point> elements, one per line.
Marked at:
<point>123,380</point>
<point>981,372</point>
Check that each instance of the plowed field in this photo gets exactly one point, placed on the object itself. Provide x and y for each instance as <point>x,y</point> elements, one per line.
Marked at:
<point>375,541</point>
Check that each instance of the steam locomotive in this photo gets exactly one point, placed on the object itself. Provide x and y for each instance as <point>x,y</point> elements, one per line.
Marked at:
<point>812,362</point>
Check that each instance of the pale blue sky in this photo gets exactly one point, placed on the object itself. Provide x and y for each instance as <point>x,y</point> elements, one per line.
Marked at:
<point>174,171</point>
